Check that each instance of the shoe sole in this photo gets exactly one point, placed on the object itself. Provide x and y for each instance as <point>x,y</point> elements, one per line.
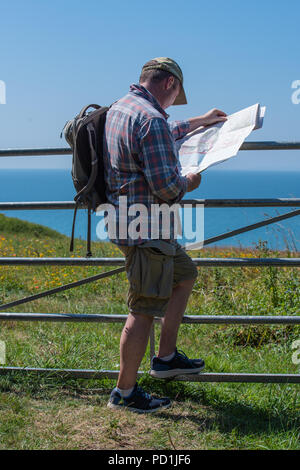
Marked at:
<point>166,374</point>
<point>137,410</point>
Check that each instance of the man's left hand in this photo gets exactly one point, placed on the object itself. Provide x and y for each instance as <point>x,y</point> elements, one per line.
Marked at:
<point>211,117</point>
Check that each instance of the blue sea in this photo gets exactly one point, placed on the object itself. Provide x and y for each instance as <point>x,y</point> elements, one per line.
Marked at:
<point>56,185</point>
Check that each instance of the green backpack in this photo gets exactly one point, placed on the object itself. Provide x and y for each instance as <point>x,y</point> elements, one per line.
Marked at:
<point>84,134</point>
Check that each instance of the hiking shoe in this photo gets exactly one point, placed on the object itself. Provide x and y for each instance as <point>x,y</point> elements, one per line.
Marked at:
<point>138,401</point>
<point>179,365</point>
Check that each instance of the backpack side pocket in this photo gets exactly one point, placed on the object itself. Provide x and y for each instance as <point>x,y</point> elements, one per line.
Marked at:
<point>151,273</point>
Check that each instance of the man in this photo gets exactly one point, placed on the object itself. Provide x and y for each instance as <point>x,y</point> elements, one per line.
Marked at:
<point>141,163</point>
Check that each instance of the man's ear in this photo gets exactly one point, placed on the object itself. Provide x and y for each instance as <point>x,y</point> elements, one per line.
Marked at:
<point>170,82</point>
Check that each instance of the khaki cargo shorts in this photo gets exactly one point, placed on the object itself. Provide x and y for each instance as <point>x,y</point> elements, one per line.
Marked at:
<point>153,269</point>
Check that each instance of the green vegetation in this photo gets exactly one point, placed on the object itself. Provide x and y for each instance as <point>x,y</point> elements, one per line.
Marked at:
<point>53,413</point>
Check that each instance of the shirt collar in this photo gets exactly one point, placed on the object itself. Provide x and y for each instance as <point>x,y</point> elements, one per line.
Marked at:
<point>140,90</point>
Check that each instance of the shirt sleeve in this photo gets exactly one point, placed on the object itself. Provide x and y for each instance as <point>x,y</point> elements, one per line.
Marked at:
<point>160,161</point>
<point>179,128</point>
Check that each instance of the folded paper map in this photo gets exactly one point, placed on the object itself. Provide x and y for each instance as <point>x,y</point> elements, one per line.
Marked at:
<point>214,144</point>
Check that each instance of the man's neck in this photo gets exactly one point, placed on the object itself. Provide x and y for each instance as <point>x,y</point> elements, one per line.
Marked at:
<point>154,92</point>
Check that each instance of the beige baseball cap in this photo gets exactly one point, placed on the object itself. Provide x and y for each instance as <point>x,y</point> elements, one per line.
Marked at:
<point>169,65</point>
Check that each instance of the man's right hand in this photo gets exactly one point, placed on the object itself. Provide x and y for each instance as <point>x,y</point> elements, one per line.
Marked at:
<point>194,179</point>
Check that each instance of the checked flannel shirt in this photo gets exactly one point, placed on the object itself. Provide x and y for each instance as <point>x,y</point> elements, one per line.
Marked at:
<point>140,157</point>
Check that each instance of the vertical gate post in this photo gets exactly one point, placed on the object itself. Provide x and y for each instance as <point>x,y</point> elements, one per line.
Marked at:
<point>152,341</point>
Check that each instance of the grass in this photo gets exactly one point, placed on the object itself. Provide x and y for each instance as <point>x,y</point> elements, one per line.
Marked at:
<point>53,413</point>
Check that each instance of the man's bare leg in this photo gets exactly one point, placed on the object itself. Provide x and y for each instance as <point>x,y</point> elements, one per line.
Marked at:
<point>133,345</point>
<point>136,333</point>
<point>173,317</point>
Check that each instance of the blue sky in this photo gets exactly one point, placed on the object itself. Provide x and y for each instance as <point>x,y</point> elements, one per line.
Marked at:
<point>57,56</point>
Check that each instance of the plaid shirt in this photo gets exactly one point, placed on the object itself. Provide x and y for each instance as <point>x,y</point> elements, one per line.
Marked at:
<point>140,157</point>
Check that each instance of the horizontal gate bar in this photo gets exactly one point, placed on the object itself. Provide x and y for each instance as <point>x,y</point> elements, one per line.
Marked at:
<point>224,262</point>
<point>203,377</point>
<point>209,203</point>
<point>35,152</point>
<point>270,145</point>
<point>241,378</point>
<point>191,319</point>
<point>251,202</point>
<point>255,145</point>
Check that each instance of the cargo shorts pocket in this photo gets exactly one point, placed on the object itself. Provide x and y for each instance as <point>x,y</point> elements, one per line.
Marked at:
<point>151,273</point>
